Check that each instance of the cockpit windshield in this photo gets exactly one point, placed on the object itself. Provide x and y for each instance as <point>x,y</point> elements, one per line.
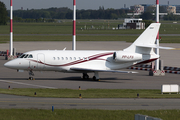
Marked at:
<point>30,56</point>
<point>26,56</point>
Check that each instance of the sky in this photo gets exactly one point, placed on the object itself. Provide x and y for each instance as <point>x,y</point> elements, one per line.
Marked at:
<point>81,4</point>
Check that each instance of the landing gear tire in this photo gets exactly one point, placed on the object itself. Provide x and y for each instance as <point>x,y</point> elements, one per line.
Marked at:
<point>85,76</point>
<point>31,78</point>
<point>94,78</point>
<point>30,75</point>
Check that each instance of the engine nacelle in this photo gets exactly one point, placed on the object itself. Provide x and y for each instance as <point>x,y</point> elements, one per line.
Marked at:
<point>121,56</point>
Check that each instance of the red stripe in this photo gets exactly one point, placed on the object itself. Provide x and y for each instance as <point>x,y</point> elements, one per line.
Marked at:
<point>74,3</point>
<point>10,2</point>
<point>11,26</point>
<point>157,2</point>
<point>74,27</point>
<point>78,61</point>
<point>158,36</point>
<point>81,61</point>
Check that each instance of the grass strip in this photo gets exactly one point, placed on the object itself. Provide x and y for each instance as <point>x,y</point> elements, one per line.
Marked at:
<point>69,38</point>
<point>89,93</point>
<point>165,39</point>
<point>74,114</point>
<point>83,27</point>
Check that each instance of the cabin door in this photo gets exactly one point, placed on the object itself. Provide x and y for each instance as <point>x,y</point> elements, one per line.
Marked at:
<point>40,61</point>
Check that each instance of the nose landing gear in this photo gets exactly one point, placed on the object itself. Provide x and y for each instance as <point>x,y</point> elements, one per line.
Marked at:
<point>30,75</point>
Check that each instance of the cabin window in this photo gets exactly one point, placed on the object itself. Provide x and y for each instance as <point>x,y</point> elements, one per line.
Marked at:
<point>70,58</point>
<point>58,58</point>
<point>62,58</point>
<point>54,58</point>
<point>79,58</point>
<point>66,58</point>
<point>74,58</point>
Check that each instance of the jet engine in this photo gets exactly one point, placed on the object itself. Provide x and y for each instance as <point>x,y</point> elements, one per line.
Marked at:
<point>121,56</point>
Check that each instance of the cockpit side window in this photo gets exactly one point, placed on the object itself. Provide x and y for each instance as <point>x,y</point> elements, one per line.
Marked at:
<point>30,56</point>
<point>26,56</point>
<point>22,55</point>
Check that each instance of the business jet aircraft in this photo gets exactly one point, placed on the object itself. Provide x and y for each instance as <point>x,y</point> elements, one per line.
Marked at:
<point>140,52</point>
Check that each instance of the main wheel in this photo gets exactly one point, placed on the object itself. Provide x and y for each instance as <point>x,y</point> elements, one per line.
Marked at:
<point>30,78</point>
<point>85,76</point>
<point>95,79</point>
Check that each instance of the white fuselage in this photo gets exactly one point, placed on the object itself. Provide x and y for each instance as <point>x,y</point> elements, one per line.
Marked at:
<point>55,60</point>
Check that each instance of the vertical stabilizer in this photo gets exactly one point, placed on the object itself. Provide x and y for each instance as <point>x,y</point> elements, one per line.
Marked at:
<point>147,38</point>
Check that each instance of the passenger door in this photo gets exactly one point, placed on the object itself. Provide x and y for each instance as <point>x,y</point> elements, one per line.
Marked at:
<point>41,61</point>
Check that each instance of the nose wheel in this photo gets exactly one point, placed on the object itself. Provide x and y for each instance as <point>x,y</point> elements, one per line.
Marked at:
<point>31,74</point>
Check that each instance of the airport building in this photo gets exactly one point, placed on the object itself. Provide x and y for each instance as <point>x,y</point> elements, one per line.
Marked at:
<point>171,9</point>
<point>132,23</point>
<point>139,9</point>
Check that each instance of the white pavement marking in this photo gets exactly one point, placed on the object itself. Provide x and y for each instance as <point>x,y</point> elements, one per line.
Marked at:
<point>7,81</point>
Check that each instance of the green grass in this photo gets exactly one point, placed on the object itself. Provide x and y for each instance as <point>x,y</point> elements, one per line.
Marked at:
<point>89,93</point>
<point>74,114</point>
<point>164,39</point>
<point>101,27</point>
<point>69,38</point>
<point>43,29</point>
<point>62,28</point>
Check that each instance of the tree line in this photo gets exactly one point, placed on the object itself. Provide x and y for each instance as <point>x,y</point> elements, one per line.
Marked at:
<point>66,13</point>
<point>50,14</point>
<point>3,14</point>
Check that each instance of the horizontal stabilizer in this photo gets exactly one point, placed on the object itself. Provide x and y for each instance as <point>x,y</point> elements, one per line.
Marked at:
<point>154,46</point>
<point>96,70</point>
<point>176,49</point>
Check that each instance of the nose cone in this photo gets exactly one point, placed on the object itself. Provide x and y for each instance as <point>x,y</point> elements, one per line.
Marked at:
<point>13,64</point>
<point>9,64</point>
<point>17,64</point>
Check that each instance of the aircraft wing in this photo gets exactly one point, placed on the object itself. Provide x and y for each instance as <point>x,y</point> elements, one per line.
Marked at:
<point>96,70</point>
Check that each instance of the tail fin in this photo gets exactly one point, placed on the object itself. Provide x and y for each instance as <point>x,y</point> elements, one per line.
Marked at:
<point>146,39</point>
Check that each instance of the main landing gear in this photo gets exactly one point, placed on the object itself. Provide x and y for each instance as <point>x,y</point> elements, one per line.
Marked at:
<point>95,77</point>
<point>30,75</point>
<point>85,76</point>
